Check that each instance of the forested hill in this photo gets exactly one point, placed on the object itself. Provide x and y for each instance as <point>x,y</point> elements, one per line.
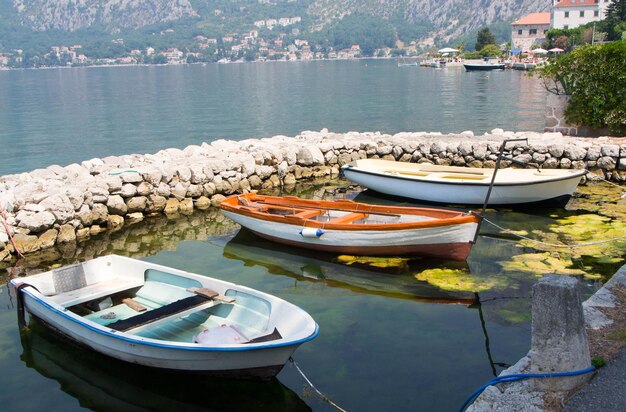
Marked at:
<point>40,23</point>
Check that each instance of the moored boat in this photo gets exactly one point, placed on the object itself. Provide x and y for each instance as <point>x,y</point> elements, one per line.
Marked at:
<point>166,318</point>
<point>483,66</point>
<point>347,227</point>
<point>464,185</point>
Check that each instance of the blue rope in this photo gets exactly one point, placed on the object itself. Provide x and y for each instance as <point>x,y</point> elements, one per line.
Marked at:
<point>519,377</point>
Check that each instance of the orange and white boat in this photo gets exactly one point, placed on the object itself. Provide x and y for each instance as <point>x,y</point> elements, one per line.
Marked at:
<point>347,227</point>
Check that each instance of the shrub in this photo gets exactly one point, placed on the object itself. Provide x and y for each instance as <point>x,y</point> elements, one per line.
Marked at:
<point>595,79</point>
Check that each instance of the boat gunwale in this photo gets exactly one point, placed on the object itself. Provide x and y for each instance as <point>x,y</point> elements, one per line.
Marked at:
<point>457,218</point>
<point>134,339</point>
<point>572,175</point>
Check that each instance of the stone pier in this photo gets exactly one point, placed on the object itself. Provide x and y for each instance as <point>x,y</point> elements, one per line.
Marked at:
<point>64,204</point>
<point>564,334</point>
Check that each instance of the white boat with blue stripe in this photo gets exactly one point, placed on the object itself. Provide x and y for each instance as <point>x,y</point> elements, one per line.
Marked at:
<point>162,317</point>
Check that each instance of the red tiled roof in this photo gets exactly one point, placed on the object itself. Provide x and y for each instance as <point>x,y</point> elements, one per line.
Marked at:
<point>533,18</point>
<point>576,3</point>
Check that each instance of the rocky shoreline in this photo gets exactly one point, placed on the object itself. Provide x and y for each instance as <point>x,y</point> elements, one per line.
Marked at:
<point>60,205</point>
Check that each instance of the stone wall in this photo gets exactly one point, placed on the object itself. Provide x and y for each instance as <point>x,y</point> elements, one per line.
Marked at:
<point>556,122</point>
<point>57,205</point>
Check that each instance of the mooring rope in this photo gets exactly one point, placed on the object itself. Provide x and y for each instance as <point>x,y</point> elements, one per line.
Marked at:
<point>595,176</point>
<point>321,395</point>
<point>8,230</point>
<point>519,377</point>
<point>600,242</point>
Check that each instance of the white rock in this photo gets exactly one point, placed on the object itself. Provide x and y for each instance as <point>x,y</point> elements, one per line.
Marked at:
<point>60,206</point>
<point>310,155</point>
<point>264,171</point>
<point>35,222</point>
<point>99,194</point>
<point>128,190</point>
<point>609,150</point>
<point>130,176</point>
<point>197,174</point>
<point>76,196</point>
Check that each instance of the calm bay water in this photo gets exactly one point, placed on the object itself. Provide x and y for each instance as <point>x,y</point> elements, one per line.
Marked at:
<point>61,116</point>
<point>395,334</point>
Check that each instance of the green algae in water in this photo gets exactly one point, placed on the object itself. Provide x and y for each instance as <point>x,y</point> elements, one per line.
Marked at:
<point>458,280</point>
<point>374,261</point>
<point>539,264</point>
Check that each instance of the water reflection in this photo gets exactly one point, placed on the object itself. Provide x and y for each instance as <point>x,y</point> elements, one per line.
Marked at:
<point>102,383</point>
<point>394,280</point>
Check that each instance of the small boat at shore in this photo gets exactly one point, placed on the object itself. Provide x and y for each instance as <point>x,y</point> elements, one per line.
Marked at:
<point>465,185</point>
<point>483,66</point>
<point>160,317</point>
<point>347,227</point>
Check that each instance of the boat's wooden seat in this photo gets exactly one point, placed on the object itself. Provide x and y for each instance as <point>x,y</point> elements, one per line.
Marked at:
<point>308,214</point>
<point>406,172</point>
<point>348,218</point>
<point>426,167</point>
<point>464,176</point>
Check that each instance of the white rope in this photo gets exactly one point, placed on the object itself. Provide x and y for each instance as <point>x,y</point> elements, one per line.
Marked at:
<point>595,176</point>
<point>322,396</point>
<point>554,244</point>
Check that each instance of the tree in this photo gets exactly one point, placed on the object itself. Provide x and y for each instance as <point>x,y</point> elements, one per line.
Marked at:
<point>593,78</point>
<point>484,38</point>
<point>615,15</point>
<point>490,50</point>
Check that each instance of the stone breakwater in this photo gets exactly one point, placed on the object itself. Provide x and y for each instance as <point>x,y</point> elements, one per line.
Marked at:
<point>59,205</point>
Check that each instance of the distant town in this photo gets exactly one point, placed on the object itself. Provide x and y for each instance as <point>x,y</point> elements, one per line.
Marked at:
<point>235,47</point>
<point>288,44</point>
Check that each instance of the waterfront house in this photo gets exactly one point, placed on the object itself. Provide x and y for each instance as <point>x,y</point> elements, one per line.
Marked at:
<point>568,14</point>
<point>530,30</point>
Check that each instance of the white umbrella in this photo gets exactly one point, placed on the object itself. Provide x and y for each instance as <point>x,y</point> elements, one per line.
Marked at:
<point>540,51</point>
<point>556,50</point>
<point>448,50</point>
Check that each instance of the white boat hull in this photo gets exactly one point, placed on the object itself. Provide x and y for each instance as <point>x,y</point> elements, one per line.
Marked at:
<point>261,360</point>
<point>440,241</point>
<point>556,191</point>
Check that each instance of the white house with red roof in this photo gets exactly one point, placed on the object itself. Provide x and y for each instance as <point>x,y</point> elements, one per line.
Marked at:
<point>529,30</point>
<point>568,14</point>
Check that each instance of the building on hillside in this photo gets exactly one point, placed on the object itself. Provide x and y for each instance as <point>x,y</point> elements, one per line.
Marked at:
<point>529,30</point>
<point>568,14</point>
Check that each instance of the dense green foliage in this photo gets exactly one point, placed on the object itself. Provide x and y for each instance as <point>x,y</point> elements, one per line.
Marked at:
<point>615,21</point>
<point>490,50</point>
<point>594,76</point>
<point>370,32</point>
<point>484,38</point>
<point>567,39</point>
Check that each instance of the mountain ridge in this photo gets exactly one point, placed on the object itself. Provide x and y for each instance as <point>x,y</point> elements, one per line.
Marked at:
<point>439,22</point>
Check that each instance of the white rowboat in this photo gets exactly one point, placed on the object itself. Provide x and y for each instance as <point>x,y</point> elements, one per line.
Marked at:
<point>464,185</point>
<point>161,317</point>
<point>347,227</point>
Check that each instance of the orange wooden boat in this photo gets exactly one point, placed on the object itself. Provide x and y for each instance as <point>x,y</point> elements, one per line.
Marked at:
<point>347,227</point>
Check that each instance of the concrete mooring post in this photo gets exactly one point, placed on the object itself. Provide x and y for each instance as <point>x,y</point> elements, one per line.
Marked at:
<point>559,339</point>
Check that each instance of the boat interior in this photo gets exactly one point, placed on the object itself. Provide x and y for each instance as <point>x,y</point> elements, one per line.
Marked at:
<point>163,306</point>
<point>327,215</point>
<point>450,173</point>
